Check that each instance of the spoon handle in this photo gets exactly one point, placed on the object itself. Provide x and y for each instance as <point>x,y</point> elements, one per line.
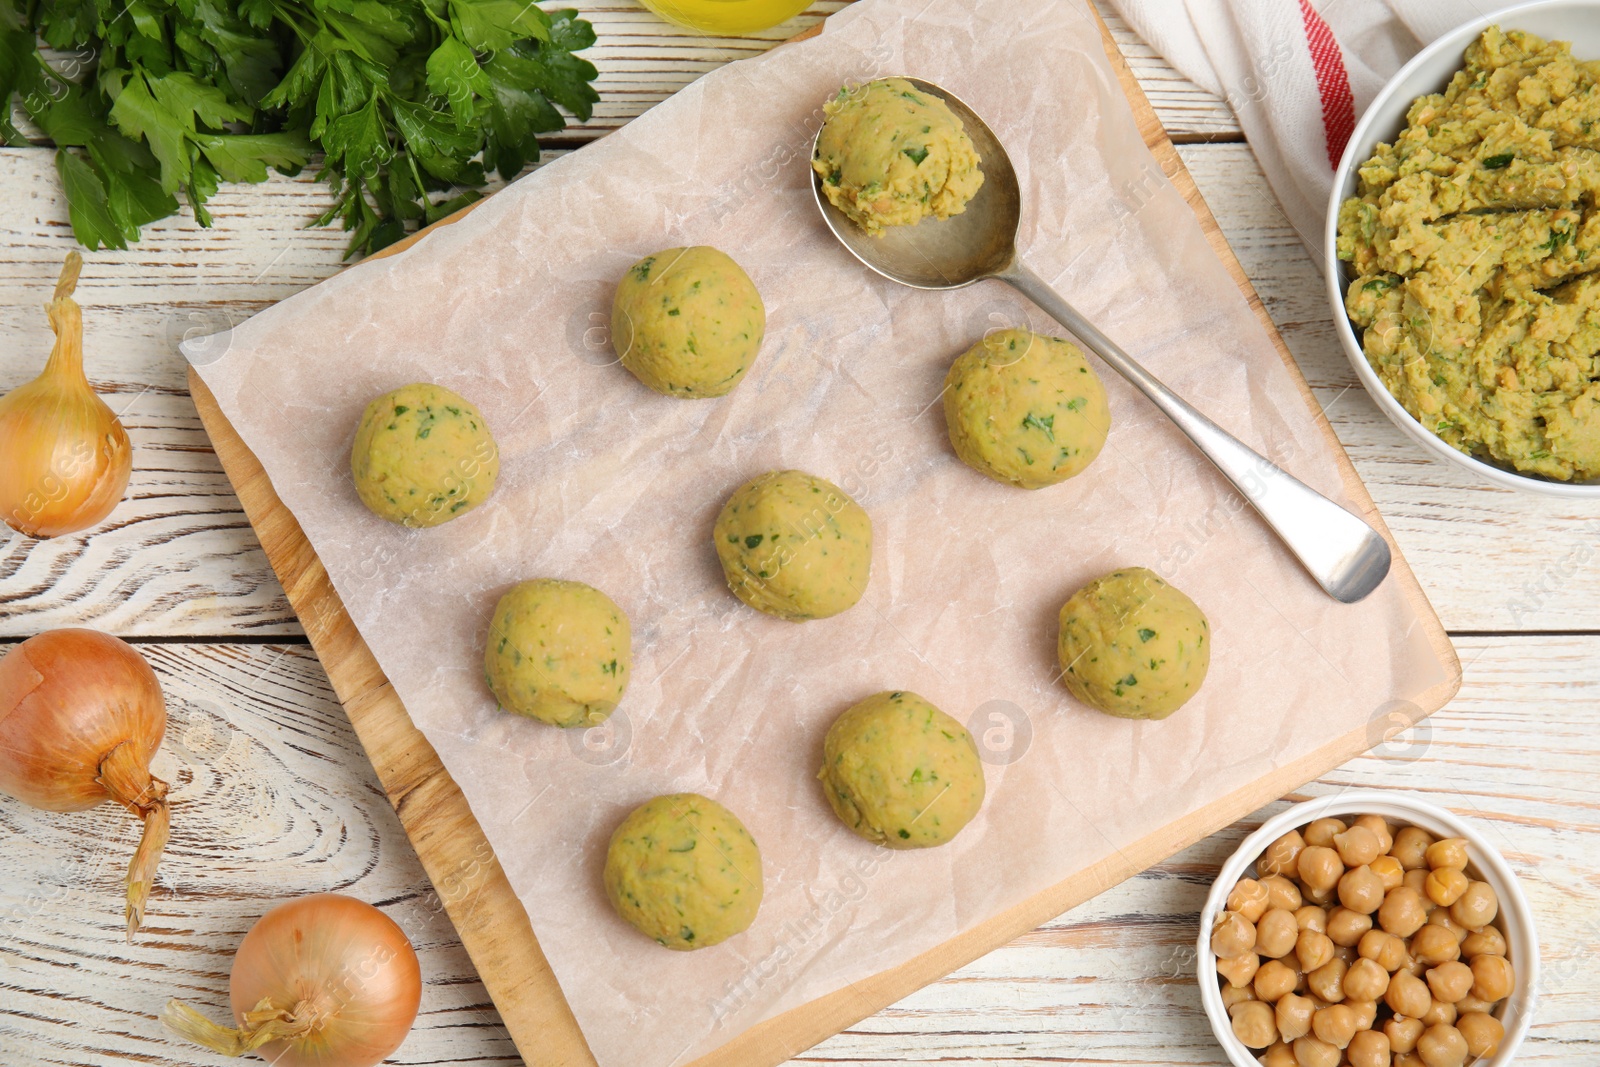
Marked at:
<point>1338,548</point>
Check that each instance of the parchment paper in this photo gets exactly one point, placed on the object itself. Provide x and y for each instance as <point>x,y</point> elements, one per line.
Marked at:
<point>609,483</point>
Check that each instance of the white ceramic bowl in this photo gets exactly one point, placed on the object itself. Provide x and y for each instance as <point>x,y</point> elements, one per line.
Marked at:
<point>1429,71</point>
<point>1401,809</point>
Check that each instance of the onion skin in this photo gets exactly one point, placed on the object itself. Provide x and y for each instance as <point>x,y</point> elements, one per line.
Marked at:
<point>322,981</point>
<point>64,456</point>
<point>81,716</point>
<point>118,700</point>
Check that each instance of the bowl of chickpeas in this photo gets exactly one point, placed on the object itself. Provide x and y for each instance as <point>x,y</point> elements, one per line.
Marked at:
<point>1371,929</point>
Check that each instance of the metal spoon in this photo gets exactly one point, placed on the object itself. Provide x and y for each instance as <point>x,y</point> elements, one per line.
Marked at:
<point>1344,554</point>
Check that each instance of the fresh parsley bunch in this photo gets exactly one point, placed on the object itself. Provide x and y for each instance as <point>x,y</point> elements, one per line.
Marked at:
<point>410,102</point>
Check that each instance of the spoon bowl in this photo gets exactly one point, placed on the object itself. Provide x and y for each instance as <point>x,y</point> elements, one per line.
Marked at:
<point>979,243</point>
<point>1341,552</point>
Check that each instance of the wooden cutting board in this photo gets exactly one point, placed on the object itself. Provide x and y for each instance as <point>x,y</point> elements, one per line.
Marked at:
<point>468,879</point>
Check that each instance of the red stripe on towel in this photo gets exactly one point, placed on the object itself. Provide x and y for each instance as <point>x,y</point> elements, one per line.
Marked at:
<point>1333,83</point>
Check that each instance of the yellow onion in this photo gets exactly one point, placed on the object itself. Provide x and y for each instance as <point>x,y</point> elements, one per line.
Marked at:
<point>322,981</point>
<point>64,456</point>
<point>81,715</point>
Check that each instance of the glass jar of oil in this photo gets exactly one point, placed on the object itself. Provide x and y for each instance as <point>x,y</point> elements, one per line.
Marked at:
<point>727,16</point>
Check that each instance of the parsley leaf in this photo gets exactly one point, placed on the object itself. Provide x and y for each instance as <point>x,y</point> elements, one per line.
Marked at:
<point>409,102</point>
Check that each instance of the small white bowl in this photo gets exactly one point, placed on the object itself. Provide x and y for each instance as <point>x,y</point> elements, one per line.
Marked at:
<point>1401,809</point>
<point>1430,71</point>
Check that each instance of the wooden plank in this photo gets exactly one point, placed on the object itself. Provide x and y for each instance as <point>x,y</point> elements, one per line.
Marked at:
<point>1187,112</point>
<point>524,989</point>
<point>642,60</point>
<point>274,797</point>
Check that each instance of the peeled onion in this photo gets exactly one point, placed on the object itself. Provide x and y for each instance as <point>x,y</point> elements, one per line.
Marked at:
<point>81,716</point>
<point>64,456</point>
<point>322,981</point>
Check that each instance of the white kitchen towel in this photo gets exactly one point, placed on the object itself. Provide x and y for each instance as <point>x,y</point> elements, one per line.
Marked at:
<point>1297,73</point>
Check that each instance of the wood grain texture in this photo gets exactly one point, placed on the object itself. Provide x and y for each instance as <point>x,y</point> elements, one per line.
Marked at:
<point>443,829</point>
<point>272,790</point>
<point>643,60</point>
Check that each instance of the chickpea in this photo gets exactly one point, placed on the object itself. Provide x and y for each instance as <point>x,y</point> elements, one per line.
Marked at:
<point>1442,1046</point>
<point>1380,829</point>
<point>1278,1054</point>
<point>1282,893</point>
<point>1233,935</point>
<point>1234,994</point>
<point>1327,981</point>
<point>1365,980</point>
<point>1445,885</point>
<point>1366,1012</point>
<point>1320,868</point>
<point>1402,913</point>
<point>1486,942</point>
<point>1492,977</point>
<point>1369,1048</point>
<point>1346,953</point>
<point>1433,945</point>
<point>1345,926</point>
<point>1447,852</point>
<point>1253,1023</point>
<point>1322,832</point>
<point>1439,1014</point>
<point>1408,995</point>
<point>1311,1052</point>
<point>1361,891</point>
<point>1311,917</point>
<point>1388,868</point>
<point>1469,1003</point>
<point>1294,1014</point>
<point>1386,950</point>
<point>1276,933</point>
<point>1411,847</point>
<point>1280,856</point>
<point>1450,982</point>
<point>1418,880</point>
<point>1482,1032</point>
<point>1335,1024</point>
<point>1239,970</point>
<point>1313,950</point>
<point>1357,846</point>
<point>1275,980</point>
<point>1476,907</point>
<point>1249,898</point>
<point>1403,1033</point>
<point>1408,1059</point>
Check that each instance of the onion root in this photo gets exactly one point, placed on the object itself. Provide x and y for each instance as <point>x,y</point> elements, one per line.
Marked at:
<point>263,1025</point>
<point>131,784</point>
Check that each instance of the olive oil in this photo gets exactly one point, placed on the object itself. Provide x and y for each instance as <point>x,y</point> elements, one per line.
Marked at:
<point>727,16</point>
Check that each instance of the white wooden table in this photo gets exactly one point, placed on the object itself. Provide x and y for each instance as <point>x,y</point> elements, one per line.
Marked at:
<point>272,793</point>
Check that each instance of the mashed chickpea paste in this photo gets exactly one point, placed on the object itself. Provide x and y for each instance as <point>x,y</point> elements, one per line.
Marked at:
<point>1470,240</point>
